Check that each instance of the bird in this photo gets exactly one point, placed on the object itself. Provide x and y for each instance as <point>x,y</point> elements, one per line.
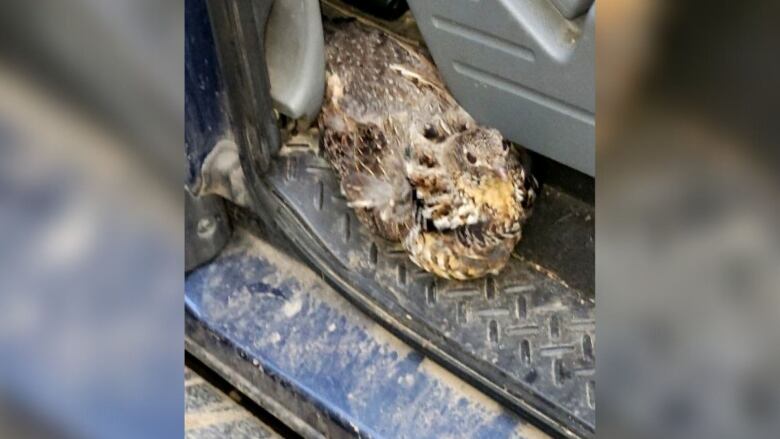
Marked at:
<point>413,164</point>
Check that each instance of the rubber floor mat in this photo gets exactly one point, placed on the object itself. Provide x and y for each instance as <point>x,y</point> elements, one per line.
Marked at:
<point>524,337</point>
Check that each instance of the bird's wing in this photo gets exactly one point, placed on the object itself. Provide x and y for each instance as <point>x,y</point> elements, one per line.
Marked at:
<point>368,163</point>
<point>527,188</point>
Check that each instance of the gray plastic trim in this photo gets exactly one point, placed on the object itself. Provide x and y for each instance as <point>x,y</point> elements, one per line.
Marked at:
<point>520,66</point>
<point>572,8</point>
<point>294,48</point>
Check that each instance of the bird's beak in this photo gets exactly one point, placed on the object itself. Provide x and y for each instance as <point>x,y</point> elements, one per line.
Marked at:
<point>501,172</point>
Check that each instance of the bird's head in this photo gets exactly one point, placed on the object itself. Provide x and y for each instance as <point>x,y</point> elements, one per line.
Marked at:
<point>482,151</point>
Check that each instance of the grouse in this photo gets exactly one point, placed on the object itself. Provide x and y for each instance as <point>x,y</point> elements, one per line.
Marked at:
<point>413,164</point>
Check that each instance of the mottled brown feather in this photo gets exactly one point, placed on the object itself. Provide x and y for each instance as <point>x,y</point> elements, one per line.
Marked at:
<point>397,139</point>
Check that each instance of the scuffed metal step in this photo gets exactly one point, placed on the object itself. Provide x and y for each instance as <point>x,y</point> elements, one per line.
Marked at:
<point>275,330</point>
<point>525,336</point>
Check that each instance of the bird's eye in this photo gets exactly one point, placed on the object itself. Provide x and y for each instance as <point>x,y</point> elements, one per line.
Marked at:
<point>505,145</point>
<point>430,132</point>
<point>471,158</point>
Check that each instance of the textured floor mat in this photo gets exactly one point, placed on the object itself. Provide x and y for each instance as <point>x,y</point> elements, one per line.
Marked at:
<point>523,336</point>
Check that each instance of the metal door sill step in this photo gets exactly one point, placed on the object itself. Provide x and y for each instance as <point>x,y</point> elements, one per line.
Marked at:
<point>283,337</point>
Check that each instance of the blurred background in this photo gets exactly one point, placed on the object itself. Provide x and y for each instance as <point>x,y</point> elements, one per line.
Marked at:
<point>687,238</point>
<point>91,230</point>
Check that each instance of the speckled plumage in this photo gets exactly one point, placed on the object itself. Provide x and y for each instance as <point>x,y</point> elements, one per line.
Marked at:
<point>414,165</point>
